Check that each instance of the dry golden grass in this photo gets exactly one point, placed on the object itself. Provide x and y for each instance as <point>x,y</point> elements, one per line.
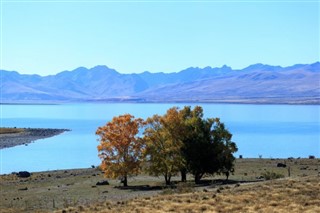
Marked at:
<point>75,191</point>
<point>10,130</point>
<point>285,195</point>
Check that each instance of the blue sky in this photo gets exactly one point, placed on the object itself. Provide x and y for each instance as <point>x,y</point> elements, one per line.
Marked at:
<point>46,37</point>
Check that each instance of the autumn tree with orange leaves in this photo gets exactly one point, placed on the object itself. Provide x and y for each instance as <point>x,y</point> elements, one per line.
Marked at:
<point>120,148</point>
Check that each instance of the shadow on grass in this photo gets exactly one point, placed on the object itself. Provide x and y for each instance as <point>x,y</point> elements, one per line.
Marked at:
<point>218,182</point>
<point>140,188</point>
<point>174,184</point>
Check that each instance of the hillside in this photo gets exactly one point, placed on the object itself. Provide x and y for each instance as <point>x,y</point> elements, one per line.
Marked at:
<point>255,84</point>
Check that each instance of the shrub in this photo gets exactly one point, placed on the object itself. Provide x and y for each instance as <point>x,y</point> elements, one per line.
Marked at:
<point>271,175</point>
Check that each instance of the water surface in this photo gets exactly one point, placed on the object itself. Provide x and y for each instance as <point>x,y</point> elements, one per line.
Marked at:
<point>277,131</point>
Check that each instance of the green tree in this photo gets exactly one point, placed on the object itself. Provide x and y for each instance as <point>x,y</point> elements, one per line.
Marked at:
<point>225,147</point>
<point>207,146</point>
<point>120,148</point>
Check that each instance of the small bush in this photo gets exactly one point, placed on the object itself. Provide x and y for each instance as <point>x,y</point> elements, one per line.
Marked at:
<point>271,175</point>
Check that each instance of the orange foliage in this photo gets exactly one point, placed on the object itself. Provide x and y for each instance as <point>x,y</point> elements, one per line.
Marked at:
<point>120,148</point>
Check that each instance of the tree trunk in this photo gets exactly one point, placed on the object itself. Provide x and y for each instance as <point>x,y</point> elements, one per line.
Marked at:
<point>197,177</point>
<point>125,181</point>
<point>167,182</point>
<point>227,175</point>
<point>183,175</point>
<point>167,179</point>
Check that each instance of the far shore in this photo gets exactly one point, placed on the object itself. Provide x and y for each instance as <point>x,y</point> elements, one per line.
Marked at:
<point>24,136</point>
<point>254,101</point>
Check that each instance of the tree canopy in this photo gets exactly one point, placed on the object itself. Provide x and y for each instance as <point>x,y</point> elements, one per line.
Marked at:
<point>207,148</point>
<point>120,148</point>
<point>180,140</point>
<point>163,144</point>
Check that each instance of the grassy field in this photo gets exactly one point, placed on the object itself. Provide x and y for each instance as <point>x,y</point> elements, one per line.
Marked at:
<point>289,195</point>
<point>10,130</point>
<point>76,191</point>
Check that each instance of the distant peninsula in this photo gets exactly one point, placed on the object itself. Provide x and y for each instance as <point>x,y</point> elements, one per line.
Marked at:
<point>11,137</point>
<point>258,83</point>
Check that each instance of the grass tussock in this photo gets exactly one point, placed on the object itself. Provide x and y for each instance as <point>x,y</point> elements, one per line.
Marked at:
<point>271,175</point>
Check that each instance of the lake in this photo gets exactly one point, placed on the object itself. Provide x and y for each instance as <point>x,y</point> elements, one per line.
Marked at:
<point>270,131</point>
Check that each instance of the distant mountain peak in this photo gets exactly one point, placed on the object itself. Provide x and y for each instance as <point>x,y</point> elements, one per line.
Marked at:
<point>262,67</point>
<point>101,67</point>
<point>256,82</point>
<point>226,67</point>
<point>316,66</point>
<point>80,69</point>
<point>104,68</point>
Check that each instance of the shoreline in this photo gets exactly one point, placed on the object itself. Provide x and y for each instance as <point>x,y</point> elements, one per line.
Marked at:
<point>27,136</point>
<point>249,101</point>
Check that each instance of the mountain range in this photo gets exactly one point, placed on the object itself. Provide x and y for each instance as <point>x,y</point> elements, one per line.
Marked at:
<point>258,83</point>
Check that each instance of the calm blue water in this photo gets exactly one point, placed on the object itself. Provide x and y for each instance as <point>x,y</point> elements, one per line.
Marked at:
<point>277,131</point>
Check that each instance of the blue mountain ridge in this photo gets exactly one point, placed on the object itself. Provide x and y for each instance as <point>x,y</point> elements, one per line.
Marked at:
<point>256,83</point>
